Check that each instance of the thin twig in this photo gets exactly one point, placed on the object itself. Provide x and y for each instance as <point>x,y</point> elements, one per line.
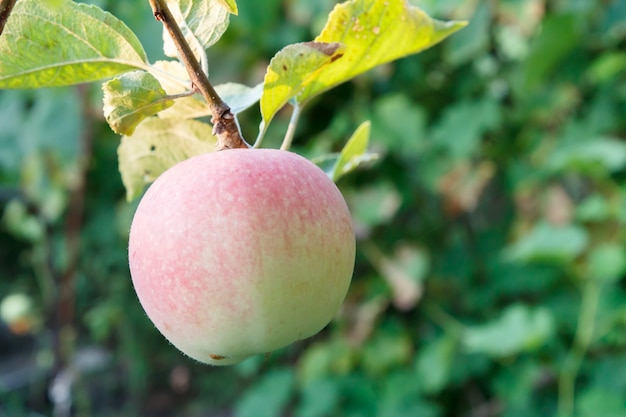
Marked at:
<point>6,6</point>
<point>65,320</point>
<point>224,123</point>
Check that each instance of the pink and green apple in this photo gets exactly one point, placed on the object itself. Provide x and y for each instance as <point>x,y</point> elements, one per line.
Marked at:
<point>241,252</point>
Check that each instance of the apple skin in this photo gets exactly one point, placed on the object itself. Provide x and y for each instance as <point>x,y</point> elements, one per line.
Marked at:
<point>241,252</point>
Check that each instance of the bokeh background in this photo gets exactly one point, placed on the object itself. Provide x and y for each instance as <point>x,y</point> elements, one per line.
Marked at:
<point>491,243</point>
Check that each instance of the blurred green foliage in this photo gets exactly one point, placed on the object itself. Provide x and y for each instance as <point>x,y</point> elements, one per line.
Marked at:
<point>492,248</point>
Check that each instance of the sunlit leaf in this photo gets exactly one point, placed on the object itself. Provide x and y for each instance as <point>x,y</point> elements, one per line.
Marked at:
<point>328,163</point>
<point>292,69</point>
<point>353,155</point>
<point>374,32</point>
<point>607,66</point>
<point>175,82</point>
<point>130,98</point>
<point>230,5</point>
<point>203,22</point>
<point>157,145</point>
<point>44,45</point>
<point>519,329</point>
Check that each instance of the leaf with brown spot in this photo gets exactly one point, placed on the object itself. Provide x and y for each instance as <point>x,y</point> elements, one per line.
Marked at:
<point>291,70</point>
<point>375,32</point>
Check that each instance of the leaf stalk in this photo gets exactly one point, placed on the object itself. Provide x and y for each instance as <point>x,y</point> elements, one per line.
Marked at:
<point>291,129</point>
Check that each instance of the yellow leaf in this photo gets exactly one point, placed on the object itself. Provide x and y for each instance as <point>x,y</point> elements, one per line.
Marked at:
<point>230,5</point>
<point>374,32</point>
<point>291,69</point>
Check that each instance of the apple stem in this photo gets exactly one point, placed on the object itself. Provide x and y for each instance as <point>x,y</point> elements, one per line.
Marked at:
<point>224,123</point>
<point>291,129</point>
<point>6,6</point>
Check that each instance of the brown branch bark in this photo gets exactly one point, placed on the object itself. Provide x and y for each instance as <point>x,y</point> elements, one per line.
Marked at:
<point>65,317</point>
<point>224,123</point>
<point>6,6</point>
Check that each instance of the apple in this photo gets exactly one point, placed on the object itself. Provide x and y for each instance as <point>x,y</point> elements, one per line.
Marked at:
<point>241,252</point>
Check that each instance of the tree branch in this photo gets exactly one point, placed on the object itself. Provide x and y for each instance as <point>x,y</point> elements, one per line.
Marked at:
<point>224,123</point>
<point>6,6</point>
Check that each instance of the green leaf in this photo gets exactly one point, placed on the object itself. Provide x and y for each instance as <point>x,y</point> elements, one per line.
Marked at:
<point>230,5</point>
<point>558,36</point>
<point>268,397</point>
<point>292,69</point>
<point>519,329</point>
<point>462,126</point>
<point>605,152</point>
<point>475,39</point>
<point>374,204</point>
<point>17,220</point>
<point>239,97</point>
<point>607,262</point>
<point>47,46</point>
<point>320,398</point>
<point>130,98</point>
<point>353,155</point>
<point>386,350</point>
<point>607,66</point>
<point>157,145</point>
<point>400,397</point>
<point>374,32</point>
<point>548,242</point>
<point>601,402</point>
<point>594,208</point>
<point>517,385</point>
<point>404,138</point>
<point>203,22</point>
<point>335,357</point>
<point>434,363</point>
<point>27,120</point>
